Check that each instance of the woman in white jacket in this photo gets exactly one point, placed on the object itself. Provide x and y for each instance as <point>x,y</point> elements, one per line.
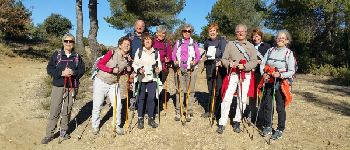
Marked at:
<point>147,66</point>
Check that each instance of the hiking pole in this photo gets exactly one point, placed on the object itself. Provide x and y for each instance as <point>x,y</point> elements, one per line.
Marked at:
<point>65,95</point>
<point>165,98</point>
<point>259,101</point>
<point>127,105</point>
<point>273,98</point>
<point>189,89</point>
<point>137,92</point>
<point>114,112</point>
<point>243,119</point>
<point>212,99</point>
<point>73,98</point>
<point>180,98</point>
<point>81,134</point>
<point>157,89</point>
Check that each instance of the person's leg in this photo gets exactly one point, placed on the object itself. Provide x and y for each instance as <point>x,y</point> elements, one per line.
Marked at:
<point>55,109</point>
<point>100,89</point>
<point>267,109</point>
<point>151,97</point>
<point>281,111</point>
<point>140,107</point>
<point>242,99</point>
<point>192,91</point>
<point>141,100</point>
<point>66,112</point>
<point>226,103</point>
<point>111,94</point>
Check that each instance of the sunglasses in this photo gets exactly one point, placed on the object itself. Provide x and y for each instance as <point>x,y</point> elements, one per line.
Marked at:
<point>188,31</point>
<point>68,41</point>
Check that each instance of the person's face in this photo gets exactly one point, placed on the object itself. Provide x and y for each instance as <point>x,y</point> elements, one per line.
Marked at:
<point>256,38</point>
<point>186,33</point>
<point>68,43</point>
<point>161,35</point>
<point>139,27</point>
<point>125,46</point>
<point>241,33</point>
<point>282,40</point>
<point>213,33</point>
<point>148,43</point>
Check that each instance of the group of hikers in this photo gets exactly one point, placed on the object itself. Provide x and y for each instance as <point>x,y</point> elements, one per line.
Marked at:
<point>252,75</point>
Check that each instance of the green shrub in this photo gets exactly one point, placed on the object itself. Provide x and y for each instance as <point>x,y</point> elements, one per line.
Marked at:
<point>340,74</point>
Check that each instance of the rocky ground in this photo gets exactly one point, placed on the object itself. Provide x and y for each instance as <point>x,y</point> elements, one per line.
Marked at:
<point>317,118</point>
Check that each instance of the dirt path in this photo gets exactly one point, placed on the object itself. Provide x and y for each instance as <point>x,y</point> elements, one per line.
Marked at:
<point>318,118</point>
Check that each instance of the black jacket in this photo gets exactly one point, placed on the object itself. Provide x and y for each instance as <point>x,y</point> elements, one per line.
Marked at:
<point>263,48</point>
<point>58,63</point>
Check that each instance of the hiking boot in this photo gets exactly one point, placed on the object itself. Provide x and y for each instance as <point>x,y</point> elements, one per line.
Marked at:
<point>189,117</point>
<point>140,123</point>
<point>152,123</point>
<point>120,131</point>
<point>236,127</point>
<point>46,140</point>
<point>220,129</point>
<point>64,135</point>
<point>266,131</point>
<point>205,115</point>
<point>177,117</point>
<point>277,135</point>
<point>95,131</point>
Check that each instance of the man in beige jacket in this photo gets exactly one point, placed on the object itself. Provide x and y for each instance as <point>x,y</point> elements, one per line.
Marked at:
<point>240,57</point>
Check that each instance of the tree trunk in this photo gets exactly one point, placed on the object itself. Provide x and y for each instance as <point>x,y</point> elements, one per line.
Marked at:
<point>93,30</point>
<point>79,39</point>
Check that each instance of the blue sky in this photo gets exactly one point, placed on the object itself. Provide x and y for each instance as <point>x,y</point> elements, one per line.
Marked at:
<point>194,12</point>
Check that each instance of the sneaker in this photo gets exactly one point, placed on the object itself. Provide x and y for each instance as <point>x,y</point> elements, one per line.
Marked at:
<point>177,117</point>
<point>189,118</point>
<point>140,123</point>
<point>277,135</point>
<point>220,129</point>
<point>236,127</point>
<point>152,123</point>
<point>95,131</point>
<point>266,131</point>
<point>120,131</point>
<point>64,135</point>
<point>205,115</point>
<point>46,140</point>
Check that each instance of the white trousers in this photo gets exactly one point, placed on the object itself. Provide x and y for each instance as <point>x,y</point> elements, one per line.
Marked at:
<point>242,98</point>
<point>100,91</point>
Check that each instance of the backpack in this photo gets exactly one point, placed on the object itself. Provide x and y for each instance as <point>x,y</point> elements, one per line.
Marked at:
<point>59,59</point>
<point>155,56</point>
<point>165,43</point>
<point>95,69</point>
<point>285,60</point>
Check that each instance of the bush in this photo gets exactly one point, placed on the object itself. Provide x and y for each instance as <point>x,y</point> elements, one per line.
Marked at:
<point>5,50</point>
<point>340,74</point>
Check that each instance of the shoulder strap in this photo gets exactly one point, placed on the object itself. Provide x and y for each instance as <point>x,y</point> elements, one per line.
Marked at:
<point>140,53</point>
<point>179,43</point>
<point>76,59</point>
<point>165,42</point>
<point>240,48</point>
<point>155,54</point>
<point>58,57</point>
<point>259,54</point>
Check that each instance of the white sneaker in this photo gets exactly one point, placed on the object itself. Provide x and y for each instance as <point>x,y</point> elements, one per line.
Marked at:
<point>120,131</point>
<point>95,131</point>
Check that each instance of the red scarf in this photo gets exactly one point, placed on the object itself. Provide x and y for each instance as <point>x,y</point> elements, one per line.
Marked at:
<point>284,85</point>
